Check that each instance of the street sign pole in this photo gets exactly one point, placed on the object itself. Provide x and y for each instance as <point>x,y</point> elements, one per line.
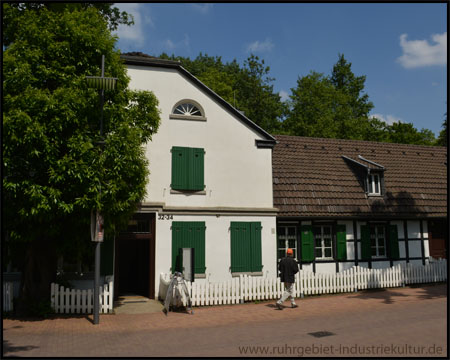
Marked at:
<point>99,82</point>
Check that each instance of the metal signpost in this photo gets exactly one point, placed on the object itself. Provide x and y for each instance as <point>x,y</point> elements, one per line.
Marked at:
<point>101,83</point>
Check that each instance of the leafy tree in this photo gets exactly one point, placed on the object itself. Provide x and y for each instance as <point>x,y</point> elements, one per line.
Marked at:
<point>331,106</point>
<point>442,139</point>
<point>335,106</point>
<point>112,15</point>
<point>311,108</point>
<point>53,167</point>
<point>406,133</point>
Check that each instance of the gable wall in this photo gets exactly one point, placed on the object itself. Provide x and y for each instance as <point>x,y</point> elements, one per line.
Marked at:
<point>237,173</point>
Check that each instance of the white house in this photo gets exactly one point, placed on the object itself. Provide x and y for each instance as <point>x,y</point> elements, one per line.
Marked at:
<point>210,187</point>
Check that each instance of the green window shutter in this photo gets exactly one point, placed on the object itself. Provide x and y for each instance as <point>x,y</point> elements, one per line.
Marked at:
<point>196,179</point>
<point>178,241</point>
<point>307,243</point>
<point>188,234</point>
<point>393,242</point>
<point>255,246</point>
<point>341,242</point>
<point>365,242</point>
<point>240,246</point>
<point>198,243</point>
<point>180,164</point>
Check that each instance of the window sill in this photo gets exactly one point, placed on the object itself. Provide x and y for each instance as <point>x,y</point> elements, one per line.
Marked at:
<point>188,192</point>
<point>325,259</point>
<point>374,195</point>
<point>255,273</point>
<point>187,117</point>
<point>199,276</point>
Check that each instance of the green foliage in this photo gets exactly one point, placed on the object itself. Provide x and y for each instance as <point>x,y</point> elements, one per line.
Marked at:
<point>335,107</point>
<point>442,139</point>
<point>54,168</point>
<point>406,133</point>
<point>248,88</point>
<point>110,14</point>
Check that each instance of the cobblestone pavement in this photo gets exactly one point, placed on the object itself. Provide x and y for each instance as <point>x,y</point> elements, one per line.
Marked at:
<point>409,321</point>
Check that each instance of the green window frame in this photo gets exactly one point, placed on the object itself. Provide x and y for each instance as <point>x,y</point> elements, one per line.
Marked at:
<point>188,167</point>
<point>373,238</point>
<point>317,242</point>
<point>246,254</point>
<point>188,234</point>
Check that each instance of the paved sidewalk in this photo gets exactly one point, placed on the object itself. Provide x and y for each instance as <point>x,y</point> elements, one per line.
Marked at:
<point>409,321</point>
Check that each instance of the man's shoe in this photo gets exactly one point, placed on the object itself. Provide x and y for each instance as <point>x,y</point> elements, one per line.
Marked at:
<point>279,306</point>
<point>294,306</point>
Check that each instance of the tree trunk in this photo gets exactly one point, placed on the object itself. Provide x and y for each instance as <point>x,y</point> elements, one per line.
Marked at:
<point>39,272</point>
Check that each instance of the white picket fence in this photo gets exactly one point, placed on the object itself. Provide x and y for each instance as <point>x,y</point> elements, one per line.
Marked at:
<point>8,296</point>
<point>247,288</point>
<point>81,301</point>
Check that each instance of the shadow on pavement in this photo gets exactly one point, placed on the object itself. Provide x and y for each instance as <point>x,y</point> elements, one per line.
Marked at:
<point>9,349</point>
<point>388,296</point>
<point>88,317</point>
<point>433,291</point>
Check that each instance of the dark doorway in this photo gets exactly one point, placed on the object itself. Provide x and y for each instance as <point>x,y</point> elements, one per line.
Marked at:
<point>135,258</point>
<point>438,238</point>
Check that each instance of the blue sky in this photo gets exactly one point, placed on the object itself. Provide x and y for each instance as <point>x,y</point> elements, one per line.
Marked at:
<point>401,48</point>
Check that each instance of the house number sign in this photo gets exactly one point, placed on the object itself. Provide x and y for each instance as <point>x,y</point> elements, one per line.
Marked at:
<point>165,217</point>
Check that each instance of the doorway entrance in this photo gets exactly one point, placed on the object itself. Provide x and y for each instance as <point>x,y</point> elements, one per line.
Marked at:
<point>438,238</point>
<point>135,258</point>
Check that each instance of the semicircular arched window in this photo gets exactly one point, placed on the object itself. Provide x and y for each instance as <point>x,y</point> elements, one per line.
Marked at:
<point>188,110</point>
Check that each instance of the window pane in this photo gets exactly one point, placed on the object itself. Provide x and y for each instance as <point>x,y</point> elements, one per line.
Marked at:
<point>281,231</point>
<point>374,251</point>
<point>327,242</point>
<point>327,230</point>
<point>292,243</point>
<point>377,190</point>
<point>381,251</point>
<point>373,242</point>
<point>281,243</point>
<point>380,231</point>
<point>327,252</point>
<point>318,252</point>
<point>370,185</point>
<point>281,254</point>
<point>291,231</point>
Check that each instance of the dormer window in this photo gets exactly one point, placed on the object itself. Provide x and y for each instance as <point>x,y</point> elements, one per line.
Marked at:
<point>374,184</point>
<point>188,110</point>
<point>370,174</point>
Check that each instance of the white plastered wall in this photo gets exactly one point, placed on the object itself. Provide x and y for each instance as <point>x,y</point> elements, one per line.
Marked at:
<point>237,173</point>
<point>217,245</point>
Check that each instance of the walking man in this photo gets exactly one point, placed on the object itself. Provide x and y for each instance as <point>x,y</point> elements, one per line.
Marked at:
<point>288,267</point>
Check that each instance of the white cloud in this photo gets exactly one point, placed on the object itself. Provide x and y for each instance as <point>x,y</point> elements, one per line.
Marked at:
<point>202,8</point>
<point>284,95</point>
<point>260,46</point>
<point>418,53</point>
<point>135,33</point>
<point>171,45</point>
<point>388,119</point>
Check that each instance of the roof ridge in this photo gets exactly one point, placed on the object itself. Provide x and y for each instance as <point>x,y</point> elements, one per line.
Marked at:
<point>379,143</point>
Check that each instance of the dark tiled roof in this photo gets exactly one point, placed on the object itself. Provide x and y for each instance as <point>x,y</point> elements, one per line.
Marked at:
<point>312,179</point>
